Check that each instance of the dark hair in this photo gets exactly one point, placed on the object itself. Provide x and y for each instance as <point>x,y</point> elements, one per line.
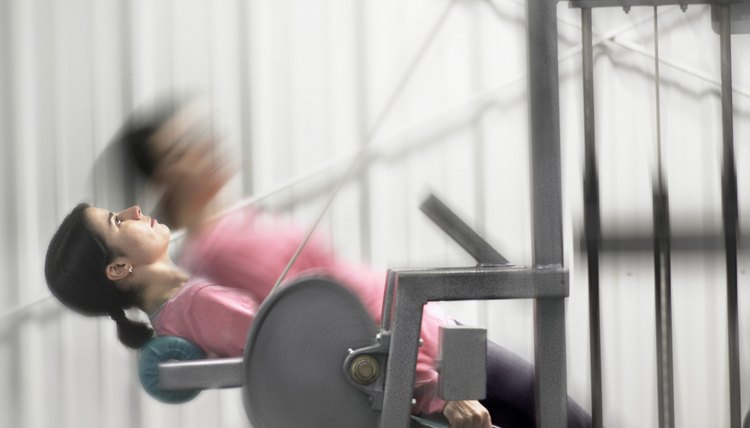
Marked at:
<point>75,270</point>
<point>135,135</point>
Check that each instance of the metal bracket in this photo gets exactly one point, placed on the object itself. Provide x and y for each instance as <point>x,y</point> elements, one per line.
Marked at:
<point>739,17</point>
<point>414,288</point>
<point>462,363</point>
<point>378,351</point>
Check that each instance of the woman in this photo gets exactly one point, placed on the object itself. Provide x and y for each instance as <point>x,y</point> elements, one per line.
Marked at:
<point>101,262</point>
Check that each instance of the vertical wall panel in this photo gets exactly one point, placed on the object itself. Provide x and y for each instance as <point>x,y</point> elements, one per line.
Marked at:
<point>272,95</point>
<point>23,98</point>
<point>82,361</point>
<point>9,400</point>
<point>228,63</point>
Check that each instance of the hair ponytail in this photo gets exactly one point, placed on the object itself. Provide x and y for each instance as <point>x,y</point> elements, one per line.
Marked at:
<point>131,333</point>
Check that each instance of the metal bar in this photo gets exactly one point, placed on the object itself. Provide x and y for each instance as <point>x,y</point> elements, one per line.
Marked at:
<point>390,286</point>
<point>629,3</point>
<point>639,241</point>
<point>544,111</point>
<point>479,283</point>
<point>460,232</point>
<point>202,374</point>
<point>662,266</point>
<point>402,358</point>
<point>730,213</point>
<point>417,287</point>
<point>739,15</point>
<point>663,308</point>
<point>592,219</point>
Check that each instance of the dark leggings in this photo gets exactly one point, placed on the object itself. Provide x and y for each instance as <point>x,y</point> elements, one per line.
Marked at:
<point>510,392</point>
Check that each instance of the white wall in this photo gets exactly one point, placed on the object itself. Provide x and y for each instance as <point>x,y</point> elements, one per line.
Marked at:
<point>297,84</point>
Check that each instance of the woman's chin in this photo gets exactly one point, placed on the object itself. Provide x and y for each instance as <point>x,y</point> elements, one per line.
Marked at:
<point>163,229</point>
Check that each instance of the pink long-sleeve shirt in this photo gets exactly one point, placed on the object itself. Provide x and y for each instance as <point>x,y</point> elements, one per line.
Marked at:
<point>235,263</point>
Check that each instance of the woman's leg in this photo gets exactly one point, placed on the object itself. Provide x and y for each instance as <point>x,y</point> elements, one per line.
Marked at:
<point>510,392</point>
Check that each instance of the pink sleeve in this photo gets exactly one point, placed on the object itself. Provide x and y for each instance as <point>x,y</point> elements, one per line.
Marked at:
<point>219,320</point>
<point>249,251</point>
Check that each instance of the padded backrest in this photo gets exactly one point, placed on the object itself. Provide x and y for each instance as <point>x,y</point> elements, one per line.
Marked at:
<point>159,350</point>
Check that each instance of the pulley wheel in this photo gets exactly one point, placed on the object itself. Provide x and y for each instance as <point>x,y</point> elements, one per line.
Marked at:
<point>294,357</point>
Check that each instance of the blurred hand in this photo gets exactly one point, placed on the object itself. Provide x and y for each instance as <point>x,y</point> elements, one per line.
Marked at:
<point>467,414</point>
<point>192,171</point>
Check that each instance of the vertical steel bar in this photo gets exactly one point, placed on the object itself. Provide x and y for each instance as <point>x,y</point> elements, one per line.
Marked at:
<point>544,105</point>
<point>400,370</point>
<point>730,212</point>
<point>663,308</point>
<point>662,272</point>
<point>387,311</point>
<point>591,218</point>
<point>662,267</point>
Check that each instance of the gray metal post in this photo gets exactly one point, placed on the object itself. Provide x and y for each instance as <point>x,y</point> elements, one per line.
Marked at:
<point>592,219</point>
<point>544,105</point>
<point>662,266</point>
<point>730,212</point>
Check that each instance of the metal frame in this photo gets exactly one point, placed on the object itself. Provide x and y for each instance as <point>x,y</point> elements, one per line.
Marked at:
<point>593,232</point>
<point>412,289</point>
<point>547,282</point>
<point>627,4</point>
<point>730,214</point>
<point>549,314</point>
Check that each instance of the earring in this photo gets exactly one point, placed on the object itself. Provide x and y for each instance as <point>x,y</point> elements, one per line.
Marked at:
<point>130,270</point>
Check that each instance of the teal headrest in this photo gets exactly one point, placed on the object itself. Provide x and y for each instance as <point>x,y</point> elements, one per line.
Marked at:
<point>161,349</point>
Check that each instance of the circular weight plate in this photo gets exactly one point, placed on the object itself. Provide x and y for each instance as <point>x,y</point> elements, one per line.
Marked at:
<point>294,375</point>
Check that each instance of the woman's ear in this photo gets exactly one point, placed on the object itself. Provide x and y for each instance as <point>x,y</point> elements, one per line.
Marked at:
<point>119,268</point>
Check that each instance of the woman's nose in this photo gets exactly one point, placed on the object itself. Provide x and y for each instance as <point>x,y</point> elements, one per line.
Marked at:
<point>132,213</point>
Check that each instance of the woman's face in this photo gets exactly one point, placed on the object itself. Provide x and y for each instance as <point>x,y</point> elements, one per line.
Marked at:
<point>129,233</point>
<point>191,165</point>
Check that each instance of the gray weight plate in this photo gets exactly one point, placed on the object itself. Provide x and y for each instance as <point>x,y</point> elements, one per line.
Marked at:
<point>294,357</point>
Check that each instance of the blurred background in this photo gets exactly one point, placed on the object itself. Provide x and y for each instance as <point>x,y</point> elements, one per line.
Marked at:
<point>437,92</point>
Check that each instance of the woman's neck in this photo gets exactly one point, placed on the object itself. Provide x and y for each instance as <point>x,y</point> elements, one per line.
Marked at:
<point>166,281</point>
